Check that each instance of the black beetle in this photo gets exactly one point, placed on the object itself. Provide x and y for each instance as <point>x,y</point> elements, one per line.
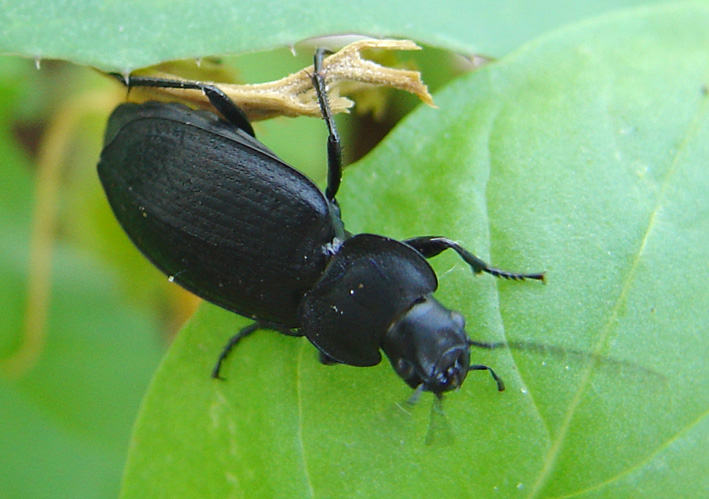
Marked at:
<point>228,220</point>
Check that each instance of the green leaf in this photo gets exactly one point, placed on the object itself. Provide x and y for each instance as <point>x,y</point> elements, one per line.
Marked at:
<point>66,422</point>
<point>583,154</point>
<point>129,34</point>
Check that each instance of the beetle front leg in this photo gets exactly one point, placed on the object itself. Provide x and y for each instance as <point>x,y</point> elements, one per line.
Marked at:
<point>334,148</point>
<point>430,246</point>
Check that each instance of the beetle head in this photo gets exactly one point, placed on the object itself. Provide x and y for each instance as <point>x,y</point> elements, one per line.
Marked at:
<point>428,347</point>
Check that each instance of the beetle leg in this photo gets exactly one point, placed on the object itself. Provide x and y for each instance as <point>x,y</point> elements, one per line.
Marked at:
<point>216,96</point>
<point>498,380</point>
<point>430,246</point>
<point>243,333</point>
<point>334,147</point>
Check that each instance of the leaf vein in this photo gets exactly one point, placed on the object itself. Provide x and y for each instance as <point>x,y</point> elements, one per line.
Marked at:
<point>299,395</point>
<point>644,462</point>
<point>503,329</point>
<point>553,453</point>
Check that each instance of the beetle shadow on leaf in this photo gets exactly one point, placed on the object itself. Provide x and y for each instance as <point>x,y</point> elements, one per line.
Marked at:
<point>626,372</point>
<point>403,423</point>
<point>440,433</point>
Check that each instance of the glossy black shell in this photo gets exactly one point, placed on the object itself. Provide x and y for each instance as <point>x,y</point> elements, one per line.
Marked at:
<point>216,210</point>
<point>369,284</point>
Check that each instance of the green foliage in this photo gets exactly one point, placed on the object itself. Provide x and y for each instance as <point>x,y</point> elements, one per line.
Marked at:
<point>129,34</point>
<point>66,422</point>
<point>582,153</point>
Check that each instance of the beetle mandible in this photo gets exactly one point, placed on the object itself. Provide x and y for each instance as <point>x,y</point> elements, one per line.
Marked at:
<point>225,218</point>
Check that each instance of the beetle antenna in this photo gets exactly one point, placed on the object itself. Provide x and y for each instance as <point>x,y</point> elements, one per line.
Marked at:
<point>498,380</point>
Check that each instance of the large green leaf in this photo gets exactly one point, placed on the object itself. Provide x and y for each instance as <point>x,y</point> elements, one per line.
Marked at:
<point>584,154</point>
<point>128,34</point>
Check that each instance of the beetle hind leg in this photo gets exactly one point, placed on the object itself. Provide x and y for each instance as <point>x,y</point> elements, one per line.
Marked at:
<point>243,333</point>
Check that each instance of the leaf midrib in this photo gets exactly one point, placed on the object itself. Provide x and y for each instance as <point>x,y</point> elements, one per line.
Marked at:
<point>553,453</point>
